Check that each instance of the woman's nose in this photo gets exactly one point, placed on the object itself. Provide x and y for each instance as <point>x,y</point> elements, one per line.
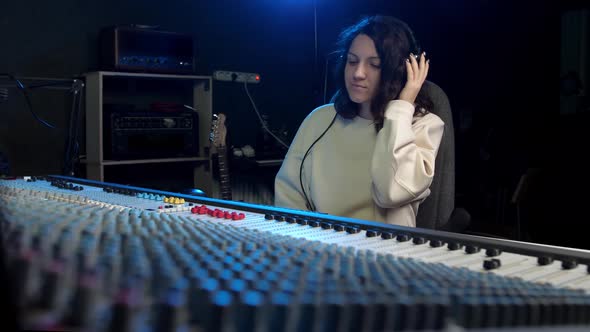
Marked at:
<point>359,72</point>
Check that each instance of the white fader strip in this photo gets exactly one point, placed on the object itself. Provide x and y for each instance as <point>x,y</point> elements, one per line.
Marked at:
<point>512,265</point>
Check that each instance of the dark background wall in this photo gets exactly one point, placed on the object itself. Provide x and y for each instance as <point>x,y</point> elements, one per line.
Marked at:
<point>498,61</point>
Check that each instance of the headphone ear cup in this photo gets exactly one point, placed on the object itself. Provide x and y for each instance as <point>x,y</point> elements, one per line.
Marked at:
<point>417,50</point>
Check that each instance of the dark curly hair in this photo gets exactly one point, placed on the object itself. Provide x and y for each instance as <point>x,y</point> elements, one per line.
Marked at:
<point>394,41</point>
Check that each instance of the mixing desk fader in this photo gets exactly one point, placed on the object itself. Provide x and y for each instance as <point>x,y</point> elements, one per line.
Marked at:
<point>91,256</point>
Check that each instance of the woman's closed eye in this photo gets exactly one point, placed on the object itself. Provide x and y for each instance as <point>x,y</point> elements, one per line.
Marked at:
<point>356,62</point>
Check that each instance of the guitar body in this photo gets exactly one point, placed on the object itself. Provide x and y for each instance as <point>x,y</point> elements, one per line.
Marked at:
<point>217,137</point>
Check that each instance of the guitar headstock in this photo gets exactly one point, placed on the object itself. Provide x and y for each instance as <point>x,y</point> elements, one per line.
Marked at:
<point>218,131</point>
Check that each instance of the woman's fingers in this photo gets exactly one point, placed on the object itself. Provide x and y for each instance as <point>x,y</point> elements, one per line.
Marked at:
<point>422,65</point>
<point>415,66</point>
<point>409,69</point>
<point>417,69</point>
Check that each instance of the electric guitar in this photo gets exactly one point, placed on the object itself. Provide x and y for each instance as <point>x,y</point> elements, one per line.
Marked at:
<point>217,138</point>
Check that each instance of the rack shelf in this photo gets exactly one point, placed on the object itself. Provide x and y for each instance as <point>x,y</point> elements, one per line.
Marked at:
<point>140,90</point>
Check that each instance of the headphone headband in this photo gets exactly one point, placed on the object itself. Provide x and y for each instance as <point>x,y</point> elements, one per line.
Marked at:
<point>414,44</point>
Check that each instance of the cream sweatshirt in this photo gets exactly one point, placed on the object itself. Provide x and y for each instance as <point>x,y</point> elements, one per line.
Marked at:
<point>355,172</point>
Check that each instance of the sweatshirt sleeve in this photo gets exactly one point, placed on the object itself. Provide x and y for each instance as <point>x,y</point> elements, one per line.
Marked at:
<point>403,160</point>
<point>287,186</point>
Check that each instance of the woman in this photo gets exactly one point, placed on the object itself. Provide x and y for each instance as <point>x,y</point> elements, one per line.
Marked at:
<point>371,154</point>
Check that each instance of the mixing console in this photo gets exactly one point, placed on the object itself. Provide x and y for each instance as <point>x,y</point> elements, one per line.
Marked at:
<point>91,256</point>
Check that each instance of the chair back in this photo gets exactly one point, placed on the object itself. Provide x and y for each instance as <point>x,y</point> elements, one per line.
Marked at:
<point>435,211</point>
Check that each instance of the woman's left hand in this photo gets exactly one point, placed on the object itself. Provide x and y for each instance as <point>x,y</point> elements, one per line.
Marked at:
<point>417,71</point>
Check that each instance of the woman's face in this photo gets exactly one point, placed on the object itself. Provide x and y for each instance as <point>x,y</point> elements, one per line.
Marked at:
<point>362,72</point>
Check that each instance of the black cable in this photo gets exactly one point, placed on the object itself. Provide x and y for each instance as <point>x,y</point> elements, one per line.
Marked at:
<point>307,201</point>
<point>72,139</point>
<point>75,154</point>
<point>72,145</point>
<point>23,89</point>
<point>262,122</point>
<point>67,168</point>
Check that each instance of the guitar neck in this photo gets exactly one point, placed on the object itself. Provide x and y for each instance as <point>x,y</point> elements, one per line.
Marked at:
<point>224,181</point>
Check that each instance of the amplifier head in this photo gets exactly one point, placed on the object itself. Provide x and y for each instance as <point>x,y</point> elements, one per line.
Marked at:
<point>148,134</point>
<point>129,48</point>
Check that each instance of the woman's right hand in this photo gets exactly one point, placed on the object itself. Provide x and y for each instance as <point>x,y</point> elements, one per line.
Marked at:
<point>417,71</point>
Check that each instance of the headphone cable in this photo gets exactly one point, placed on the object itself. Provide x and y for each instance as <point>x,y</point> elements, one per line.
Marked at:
<point>307,201</point>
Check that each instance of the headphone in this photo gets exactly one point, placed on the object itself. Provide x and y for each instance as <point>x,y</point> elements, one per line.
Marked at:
<point>414,44</point>
<point>414,50</point>
<point>308,202</point>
